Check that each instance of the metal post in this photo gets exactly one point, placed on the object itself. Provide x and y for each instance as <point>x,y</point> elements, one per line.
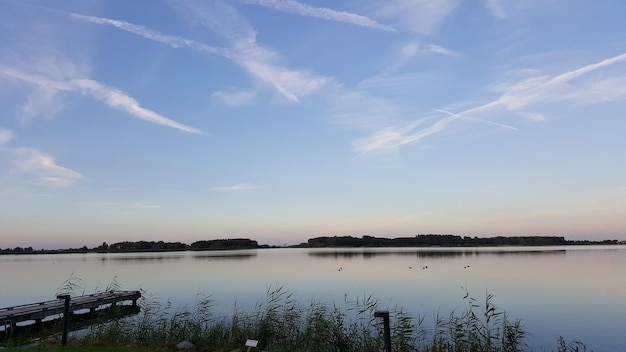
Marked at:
<point>66,317</point>
<point>385,315</point>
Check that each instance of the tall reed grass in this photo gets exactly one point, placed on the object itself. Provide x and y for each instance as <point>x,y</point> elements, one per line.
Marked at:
<point>280,322</point>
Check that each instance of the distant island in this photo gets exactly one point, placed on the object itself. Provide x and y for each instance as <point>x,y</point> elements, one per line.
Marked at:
<point>429,240</point>
<point>432,240</point>
<point>148,246</point>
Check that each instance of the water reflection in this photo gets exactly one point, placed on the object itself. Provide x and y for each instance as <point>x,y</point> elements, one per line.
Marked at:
<point>143,258</point>
<point>132,259</point>
<point>574,291</point>
<point>225,256</point>
<point>525,253</point>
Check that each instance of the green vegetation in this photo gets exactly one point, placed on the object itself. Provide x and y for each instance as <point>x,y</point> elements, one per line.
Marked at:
<point>53,344</point>
<point>281,323</point>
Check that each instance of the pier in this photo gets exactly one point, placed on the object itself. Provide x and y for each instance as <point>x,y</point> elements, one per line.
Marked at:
<point>37,313</point>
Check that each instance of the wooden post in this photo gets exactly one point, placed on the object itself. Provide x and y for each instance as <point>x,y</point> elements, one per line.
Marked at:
<point>66,317</point>
<point>385,315</point>
<point>8,328</point>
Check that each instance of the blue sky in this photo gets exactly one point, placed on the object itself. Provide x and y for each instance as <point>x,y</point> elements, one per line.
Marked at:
<point>282,120</point>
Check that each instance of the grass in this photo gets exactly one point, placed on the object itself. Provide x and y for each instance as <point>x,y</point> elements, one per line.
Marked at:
<point>92,348</point>
<point>282,323</point>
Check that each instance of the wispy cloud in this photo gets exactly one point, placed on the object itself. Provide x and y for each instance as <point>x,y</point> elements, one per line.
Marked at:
<point>47,73</point>
<point>6,135</point>
<point>420,16</point>
<point>44,96</point>
<point>120,100</point>
<point>42,168</point>
<point>516,97</point>
<point>42,44</point>
<point>235,98</point>
<point>292,84</point>
<point>42,101</point>
<point>505,9</point>
<point>441,50</point>
<point>35,79</point>
<point>413,49</point>
<point>112,97</point>
<point>257,61</point>
<point>606,89</point>
<point>299,8</point>
<point>237,188</point>
<point>474,119</point>
<point>496,7</point>
<point>391,139</point>
<point>260,62</point>
<point>532,116</point>
<point>405,56</point>
<point>545,88</point>
<point>171,40</point>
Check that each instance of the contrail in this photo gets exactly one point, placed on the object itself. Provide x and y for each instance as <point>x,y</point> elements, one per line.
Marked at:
<point>462,116</point>
<point>324,13</point>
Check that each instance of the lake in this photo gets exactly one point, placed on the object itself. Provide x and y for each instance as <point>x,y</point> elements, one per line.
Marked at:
<point>578,292</point>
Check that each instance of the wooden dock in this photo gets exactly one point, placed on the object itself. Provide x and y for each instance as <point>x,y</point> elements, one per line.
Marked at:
<point>37,312</point>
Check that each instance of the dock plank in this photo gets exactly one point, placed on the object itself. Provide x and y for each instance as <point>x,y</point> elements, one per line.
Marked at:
<point>41,310</point>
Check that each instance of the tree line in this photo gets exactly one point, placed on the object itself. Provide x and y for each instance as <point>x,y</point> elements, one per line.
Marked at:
<point>428,240</point>
<point>148,246</point>
<point>431,240</point>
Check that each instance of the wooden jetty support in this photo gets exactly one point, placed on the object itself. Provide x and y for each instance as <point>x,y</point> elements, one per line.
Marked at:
<point>37,312</point>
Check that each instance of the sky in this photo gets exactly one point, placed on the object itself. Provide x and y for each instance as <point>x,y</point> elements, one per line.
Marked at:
<point>283,120</point>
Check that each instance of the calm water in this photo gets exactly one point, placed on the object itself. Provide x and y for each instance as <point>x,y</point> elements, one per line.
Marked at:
<point>574,292</point>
